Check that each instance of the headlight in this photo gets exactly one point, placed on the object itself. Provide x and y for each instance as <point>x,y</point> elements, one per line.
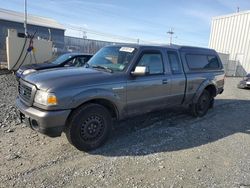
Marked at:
<point>28,71</point>
<point>246,78</point>
<point>44,98</point>
<point>19,71</point>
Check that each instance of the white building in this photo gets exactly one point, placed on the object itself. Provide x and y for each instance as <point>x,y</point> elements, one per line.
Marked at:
<point>230,34</point>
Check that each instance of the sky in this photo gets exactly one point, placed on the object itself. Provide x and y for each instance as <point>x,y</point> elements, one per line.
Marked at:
<point>129,20</point>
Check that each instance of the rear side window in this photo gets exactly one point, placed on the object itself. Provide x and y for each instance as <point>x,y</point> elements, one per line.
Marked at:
<point>202,62</point>
<point>174,62</point>
<point>213,62</point>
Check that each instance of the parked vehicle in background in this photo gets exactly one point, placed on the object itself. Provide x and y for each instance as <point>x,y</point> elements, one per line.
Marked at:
<point>245,82</point>
<point>65,60</point>
<point>118,82</point>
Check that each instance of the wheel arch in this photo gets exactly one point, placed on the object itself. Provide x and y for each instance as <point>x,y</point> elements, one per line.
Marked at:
<point>207,85</point>
<point>211,89</point>
<point>109,105</point>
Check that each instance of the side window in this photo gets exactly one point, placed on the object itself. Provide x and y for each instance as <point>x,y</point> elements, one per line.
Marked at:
<point>174,62</point>
<point>87,58</point>
<point>213,62</point>
<point>202,62</point>
<point>153,62</point>
<point>80,61</point>
<point>70,62</point>
<point>76,62</point>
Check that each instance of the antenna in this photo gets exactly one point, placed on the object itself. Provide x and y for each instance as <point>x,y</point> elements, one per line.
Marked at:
<point>25,18</point>
<point>170,32</point>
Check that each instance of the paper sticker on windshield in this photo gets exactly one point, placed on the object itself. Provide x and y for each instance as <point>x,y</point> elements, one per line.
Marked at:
<point>127,49</point>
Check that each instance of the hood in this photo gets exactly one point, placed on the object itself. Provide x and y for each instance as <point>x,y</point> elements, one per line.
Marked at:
<point>68,77</point>
<point>38,66</point>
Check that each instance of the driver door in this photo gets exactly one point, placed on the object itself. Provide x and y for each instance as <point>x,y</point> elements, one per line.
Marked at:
<point>151,91</point>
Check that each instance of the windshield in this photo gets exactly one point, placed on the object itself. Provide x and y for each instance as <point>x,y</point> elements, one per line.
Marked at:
<point>60,59</point>
<point>113,58</point>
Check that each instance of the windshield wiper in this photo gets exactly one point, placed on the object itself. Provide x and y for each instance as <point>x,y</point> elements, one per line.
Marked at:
<point>102,67</point>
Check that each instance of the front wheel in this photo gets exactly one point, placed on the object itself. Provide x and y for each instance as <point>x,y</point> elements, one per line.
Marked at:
<point>89,127</point>
<point>204,102</point>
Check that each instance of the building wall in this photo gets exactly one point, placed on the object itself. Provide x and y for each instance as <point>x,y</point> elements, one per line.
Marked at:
<point>61,42</point>
<point>57,35</point>
<point>231,35</point>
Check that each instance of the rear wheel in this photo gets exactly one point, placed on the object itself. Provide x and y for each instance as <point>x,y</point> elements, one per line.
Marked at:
<point>89,127</point>
<point>205,101</point>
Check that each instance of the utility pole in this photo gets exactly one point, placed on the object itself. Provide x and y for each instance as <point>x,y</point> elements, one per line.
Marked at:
<point>170,32</point>
<point>84,34</point>
<point>25,18</point>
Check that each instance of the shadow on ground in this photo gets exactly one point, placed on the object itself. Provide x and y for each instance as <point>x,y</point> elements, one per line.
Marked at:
<point>172,130</point>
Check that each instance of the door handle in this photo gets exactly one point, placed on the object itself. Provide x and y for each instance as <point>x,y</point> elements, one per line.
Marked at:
<point>164,81</point>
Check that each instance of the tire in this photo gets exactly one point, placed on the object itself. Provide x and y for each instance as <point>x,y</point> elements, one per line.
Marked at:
<point>211,103</point>
<point>89,127</point>
<point>204,102</point>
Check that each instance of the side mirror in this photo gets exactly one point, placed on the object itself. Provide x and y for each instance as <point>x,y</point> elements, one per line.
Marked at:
<point>139,71</point>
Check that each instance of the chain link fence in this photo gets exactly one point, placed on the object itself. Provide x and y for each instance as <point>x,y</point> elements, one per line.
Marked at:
<point>73,44</point>
<point>232,67</point>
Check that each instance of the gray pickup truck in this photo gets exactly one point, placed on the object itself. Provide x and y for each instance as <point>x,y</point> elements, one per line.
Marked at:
<point>118,82</point>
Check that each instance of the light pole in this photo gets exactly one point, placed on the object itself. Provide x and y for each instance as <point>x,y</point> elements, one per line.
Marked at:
<point>25,18</point>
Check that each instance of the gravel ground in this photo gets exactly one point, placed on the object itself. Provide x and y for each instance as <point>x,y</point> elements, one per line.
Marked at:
<point>161,149</point>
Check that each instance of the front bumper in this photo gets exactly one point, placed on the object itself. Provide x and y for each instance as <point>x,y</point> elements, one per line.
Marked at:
<point>50,123</point>
<point>18,76</point>
<point>244,84</point>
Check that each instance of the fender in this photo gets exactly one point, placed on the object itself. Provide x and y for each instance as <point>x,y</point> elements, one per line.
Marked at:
<point>117,99</point>
<point>201,88</point>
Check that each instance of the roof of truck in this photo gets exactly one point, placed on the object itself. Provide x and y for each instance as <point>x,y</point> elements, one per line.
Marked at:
<point>173,46</point>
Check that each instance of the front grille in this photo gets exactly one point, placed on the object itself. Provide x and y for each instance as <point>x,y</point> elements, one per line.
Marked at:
<point>25,91</point>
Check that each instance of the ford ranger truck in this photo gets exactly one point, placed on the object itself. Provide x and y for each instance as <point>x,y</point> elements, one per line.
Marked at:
<point>117,83</point>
